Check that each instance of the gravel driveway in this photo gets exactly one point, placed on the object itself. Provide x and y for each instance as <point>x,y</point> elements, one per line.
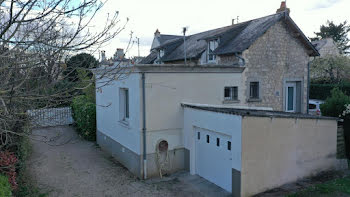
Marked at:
<point>65,165</point>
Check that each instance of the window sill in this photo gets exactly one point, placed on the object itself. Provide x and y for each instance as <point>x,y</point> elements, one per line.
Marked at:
<point>254,100</point>
<point>230,101</point>
<point>211,63</point>
<point>124,123</point>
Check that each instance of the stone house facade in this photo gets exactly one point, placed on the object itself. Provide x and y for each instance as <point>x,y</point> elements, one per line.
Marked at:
<point>273,50</point>
<point>274,60</point>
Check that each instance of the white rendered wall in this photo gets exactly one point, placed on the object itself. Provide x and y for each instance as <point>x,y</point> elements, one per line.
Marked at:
<point>222,123</point>
<point>107,112</point>
<point>166,91</point>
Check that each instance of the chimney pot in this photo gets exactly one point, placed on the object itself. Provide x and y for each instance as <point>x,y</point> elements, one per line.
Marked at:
<point>103,56</point>
<point>119,54</point>
<point>283,8</point>
<point>157,33</point>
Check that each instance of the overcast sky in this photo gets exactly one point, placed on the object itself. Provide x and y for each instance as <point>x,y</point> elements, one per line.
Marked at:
<point>199,15</point>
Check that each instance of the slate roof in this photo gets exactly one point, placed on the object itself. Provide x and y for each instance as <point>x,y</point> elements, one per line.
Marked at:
<point>233,39</point>
<point>164,37</point>
<point>149,59</point>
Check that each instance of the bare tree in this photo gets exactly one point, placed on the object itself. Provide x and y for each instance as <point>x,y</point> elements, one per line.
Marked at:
<point>36,37</point>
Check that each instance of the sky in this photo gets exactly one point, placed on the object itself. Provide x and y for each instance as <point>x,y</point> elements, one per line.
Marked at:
<point>145,16</point>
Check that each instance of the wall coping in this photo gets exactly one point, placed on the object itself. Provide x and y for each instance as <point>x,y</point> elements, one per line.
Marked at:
<point>253,112</point>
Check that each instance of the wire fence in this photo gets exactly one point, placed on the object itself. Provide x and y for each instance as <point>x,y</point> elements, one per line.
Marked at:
<point>51,117</point>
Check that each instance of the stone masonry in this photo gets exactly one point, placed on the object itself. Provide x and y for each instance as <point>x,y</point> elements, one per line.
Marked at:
<point>273,59</point>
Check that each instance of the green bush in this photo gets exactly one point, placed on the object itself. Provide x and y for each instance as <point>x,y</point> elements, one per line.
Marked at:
<point>335,105</point>
<point>84,114</point>
<point>5,187</point>
<point>322,91</point>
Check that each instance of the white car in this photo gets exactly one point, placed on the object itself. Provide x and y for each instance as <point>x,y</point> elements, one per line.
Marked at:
<point>314,107</point>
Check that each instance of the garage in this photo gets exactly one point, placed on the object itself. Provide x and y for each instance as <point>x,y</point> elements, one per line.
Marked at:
<point>249,151</point>
<point>213,157</point>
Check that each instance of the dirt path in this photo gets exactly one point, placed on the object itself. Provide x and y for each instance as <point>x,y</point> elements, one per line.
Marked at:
<point>69,166</point>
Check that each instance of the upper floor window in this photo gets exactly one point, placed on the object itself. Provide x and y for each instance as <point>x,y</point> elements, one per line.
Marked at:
<point>212,45</point>
<point>124,104</point>
<point>231,93</point>
<point>161,53</point>
<point>254,90</point>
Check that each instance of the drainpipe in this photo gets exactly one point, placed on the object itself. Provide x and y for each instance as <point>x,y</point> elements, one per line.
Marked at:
<point>144,127</point>
<point>308,85</point>
<point>241,58</point>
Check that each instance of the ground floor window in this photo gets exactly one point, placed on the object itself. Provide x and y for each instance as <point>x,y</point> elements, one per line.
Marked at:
<point>254,90</point>
<point>231,93</point>
<point>124,103</point>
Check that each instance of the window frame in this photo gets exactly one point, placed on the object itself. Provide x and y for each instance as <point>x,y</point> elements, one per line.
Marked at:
<point>161,53</point>
<point>251,96</point>
<point>233,93</point>
<point>209,51</point>
<point>124,104</point>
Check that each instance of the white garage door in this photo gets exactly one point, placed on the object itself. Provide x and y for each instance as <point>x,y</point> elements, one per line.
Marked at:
<point>214,158</point>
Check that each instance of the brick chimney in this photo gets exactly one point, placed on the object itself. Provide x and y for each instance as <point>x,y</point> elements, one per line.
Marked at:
<point>283,8</point>
<point>119,55</point>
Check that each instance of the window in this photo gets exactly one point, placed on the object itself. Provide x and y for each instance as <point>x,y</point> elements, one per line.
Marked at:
<point>231,93</point>
<point>254,90</point>
<point>217,141</point>
<point>208,139</point>
<point>228,145</point>
<point>199,135</point>
<point>161,53</point>
<point>212,45</point>
<point>124,104</point>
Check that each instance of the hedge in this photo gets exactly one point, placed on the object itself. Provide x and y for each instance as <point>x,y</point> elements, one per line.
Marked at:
<point>84,115</point>
<point>5,187</point>
<point>323,91</point>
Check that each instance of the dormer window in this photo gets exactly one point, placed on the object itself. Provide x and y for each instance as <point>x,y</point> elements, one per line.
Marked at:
<point>160,53</point>
<point>212,45</point>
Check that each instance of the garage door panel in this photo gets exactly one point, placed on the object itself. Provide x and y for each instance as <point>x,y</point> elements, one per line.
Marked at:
<point>213,157</point>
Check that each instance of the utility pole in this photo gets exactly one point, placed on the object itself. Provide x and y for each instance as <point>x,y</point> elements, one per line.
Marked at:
<point>184,29</point>
<point>138,45</point>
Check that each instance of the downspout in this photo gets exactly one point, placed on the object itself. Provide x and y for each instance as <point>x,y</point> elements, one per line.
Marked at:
<point>308,85</point>
<point>241,58</point>
<point>144,127</point>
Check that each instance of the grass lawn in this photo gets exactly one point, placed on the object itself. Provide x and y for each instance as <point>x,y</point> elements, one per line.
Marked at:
<point>337,187</point>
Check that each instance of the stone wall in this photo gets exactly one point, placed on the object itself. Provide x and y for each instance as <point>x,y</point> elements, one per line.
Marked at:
<point>228,60</point>
<point>273,59</point>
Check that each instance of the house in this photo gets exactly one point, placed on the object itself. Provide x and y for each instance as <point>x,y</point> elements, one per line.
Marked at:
<point>326,47</point>
<point>274,78</point>
<point>226,115</point>
<point>118,59</point>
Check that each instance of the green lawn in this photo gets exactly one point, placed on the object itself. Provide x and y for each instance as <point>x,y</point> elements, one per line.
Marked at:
<point>337,187</point>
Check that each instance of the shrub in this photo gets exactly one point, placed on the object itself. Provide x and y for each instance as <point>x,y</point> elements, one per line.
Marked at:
<point>335,105</point>
<point>8,163</point>
<point>5,187</point>
<point>84,114</point>
<point>322,91</point>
